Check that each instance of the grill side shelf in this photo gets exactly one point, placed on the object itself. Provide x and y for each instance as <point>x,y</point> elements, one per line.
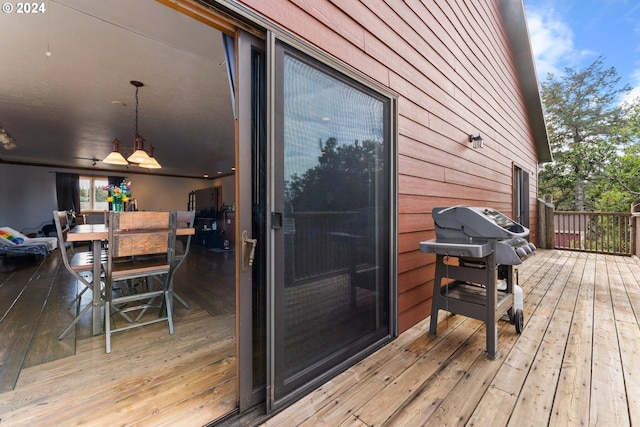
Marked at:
<point>470,250</point>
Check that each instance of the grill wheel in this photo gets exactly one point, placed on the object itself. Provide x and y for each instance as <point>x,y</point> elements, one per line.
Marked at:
<point>518,320</point>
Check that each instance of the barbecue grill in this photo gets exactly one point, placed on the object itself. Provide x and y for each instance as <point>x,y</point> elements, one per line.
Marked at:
<point>476,250</point>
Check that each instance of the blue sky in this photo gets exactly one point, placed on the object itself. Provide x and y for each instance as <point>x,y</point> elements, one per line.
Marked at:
<point>574,33</point>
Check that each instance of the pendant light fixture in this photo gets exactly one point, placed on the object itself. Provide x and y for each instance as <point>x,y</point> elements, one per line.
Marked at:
<point>139,156</point>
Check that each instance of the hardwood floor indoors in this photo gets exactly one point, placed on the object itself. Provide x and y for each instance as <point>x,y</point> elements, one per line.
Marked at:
<point>150,377</point>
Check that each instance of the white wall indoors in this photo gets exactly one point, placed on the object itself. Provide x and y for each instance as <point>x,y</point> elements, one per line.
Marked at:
<point>28,193</point>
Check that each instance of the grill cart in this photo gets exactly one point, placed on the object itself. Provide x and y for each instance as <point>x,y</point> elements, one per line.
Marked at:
<point>476,250</point>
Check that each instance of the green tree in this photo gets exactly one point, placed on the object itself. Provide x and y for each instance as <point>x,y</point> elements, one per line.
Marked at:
<point>585,121</point>
<point>620,186</point>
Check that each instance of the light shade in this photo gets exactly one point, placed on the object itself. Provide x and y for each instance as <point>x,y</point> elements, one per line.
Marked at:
<point>139,155</point>
<point>150,162</point>
<point>115,158</point>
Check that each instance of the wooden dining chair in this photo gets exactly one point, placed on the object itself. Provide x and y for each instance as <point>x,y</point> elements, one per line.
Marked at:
<point>137,236</point>
<point>80,265</point>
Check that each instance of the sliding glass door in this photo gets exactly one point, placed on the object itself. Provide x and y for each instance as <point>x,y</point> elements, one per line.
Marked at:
<point>332,222</point>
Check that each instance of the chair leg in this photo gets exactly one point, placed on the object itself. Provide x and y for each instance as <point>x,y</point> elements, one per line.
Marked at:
<point>107,325</point>
<point>178,297</point>
<point>87,285</point>
<point>182,301</point>
<point>146,302</point>
<point>66,331</point>
<point>116,309</point>
<point>168,298</point>
<point>123,314</point>
<point>148,305</point>
<point>77,298</point>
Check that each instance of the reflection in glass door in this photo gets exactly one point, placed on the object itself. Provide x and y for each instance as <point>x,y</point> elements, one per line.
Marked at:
<point>333,157</point>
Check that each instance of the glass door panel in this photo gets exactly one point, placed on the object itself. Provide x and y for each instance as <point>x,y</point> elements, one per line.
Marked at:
<point>331,293</point>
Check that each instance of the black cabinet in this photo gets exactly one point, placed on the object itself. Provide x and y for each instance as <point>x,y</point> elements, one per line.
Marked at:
<point>210,238</point>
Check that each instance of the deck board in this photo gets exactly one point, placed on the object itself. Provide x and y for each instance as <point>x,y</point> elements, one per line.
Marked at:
<point>606,371</point>
<point>628,332</point>
<point>571,406</point>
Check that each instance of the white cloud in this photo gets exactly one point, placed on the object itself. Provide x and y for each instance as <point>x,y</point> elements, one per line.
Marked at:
<point>635,84</point>
<point>551,42</point>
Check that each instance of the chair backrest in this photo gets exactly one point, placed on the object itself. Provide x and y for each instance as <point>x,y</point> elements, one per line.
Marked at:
<point>184,219</point>
<point>141,233</point>
<point>61,220</point>
<point>95,218</point>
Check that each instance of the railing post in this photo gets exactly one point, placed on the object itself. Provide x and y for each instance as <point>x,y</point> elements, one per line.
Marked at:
<point>546,229</point>
<point>540,223</point>
<point>635,217</point>
<point>542,237</point>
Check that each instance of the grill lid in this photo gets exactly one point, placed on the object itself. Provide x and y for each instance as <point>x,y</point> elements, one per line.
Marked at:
<point>464,223</point>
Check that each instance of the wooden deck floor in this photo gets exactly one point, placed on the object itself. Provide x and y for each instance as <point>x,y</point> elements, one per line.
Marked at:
<point>576,362</point>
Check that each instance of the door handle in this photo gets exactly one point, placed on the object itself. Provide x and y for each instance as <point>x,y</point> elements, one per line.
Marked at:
<point>276,220</point>
<point>246,242</point>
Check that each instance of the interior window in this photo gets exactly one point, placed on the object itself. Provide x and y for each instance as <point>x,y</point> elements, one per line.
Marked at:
<point>92,195</point>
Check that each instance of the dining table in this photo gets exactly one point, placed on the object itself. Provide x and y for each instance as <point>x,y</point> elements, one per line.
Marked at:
<point>96,234</point>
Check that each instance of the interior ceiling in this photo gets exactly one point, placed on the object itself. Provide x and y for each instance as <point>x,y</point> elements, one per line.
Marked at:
<point>66,108</point>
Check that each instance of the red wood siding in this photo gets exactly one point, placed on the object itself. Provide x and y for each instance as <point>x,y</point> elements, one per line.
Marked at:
<point>451,64</point>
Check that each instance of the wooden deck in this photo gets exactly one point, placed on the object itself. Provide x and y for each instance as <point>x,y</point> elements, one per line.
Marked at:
<point>576,362</point>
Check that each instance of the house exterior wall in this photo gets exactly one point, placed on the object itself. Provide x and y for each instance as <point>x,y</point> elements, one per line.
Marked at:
<point>451,64</point>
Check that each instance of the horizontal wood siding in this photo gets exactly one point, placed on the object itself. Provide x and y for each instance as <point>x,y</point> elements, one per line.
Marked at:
<point>450,63</point>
